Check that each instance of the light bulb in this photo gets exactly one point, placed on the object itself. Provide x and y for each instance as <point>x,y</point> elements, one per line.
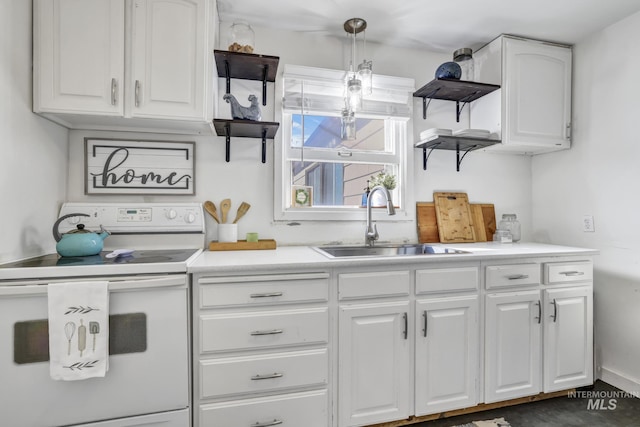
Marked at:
<point>365,74</point>
<point>354,93</point>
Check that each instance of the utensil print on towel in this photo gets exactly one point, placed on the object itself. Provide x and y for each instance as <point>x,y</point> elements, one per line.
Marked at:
<point>82,337</point>
<point>69,330</point>
<point>94,329</point>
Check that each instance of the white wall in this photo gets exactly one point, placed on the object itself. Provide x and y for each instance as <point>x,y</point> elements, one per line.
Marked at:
<point>487,178</point>
<point>599,176</point>
<point>33,151</point>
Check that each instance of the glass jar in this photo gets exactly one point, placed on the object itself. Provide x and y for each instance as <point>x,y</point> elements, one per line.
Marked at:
<point>241,38</point>
<point>510,222</point>
<point>464,58</point>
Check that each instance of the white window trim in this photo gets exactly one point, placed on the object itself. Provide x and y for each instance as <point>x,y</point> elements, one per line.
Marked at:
<point>282,184</point>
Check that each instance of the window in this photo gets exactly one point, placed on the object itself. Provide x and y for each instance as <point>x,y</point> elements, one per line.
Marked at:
<point>314,155</point>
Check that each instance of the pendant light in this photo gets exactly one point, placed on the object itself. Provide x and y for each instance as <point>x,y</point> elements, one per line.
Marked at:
<point>354,83</point>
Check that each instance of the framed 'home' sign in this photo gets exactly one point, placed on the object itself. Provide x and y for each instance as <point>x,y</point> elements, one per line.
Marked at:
<point>139,167</point>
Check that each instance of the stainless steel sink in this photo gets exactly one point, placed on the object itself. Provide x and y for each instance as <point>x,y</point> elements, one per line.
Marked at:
<point>385,250</point>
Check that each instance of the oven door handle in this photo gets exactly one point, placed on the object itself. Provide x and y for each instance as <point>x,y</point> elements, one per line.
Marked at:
<point>122,285</point>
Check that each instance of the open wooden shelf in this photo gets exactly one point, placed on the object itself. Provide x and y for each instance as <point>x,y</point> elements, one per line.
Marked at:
<point>453,90</point>
<point>247,129</point>
<point>457,143</point>
<point>247,66</point>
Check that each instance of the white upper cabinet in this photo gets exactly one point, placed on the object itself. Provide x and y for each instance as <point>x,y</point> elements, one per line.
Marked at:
<point>79,56</point>
<point>532,110</point>
<point>143,65</point>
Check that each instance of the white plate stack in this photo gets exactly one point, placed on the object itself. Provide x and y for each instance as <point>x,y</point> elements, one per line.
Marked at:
<point>472,133</point>
<point>433,133</point>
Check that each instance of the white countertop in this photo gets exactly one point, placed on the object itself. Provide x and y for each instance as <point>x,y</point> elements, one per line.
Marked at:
<point>291,257</point>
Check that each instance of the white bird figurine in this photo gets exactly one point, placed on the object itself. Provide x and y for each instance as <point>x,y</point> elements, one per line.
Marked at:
<point>240,112</point>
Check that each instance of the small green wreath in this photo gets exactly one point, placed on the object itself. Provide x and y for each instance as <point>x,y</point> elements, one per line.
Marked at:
<point>302,196</point>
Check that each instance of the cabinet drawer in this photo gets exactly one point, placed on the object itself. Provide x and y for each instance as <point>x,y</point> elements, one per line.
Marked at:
<point>498,276</point>
<point>289,410</point>
<point>446,279</point>
<point>373,284</point>
<point>237,375</point>
<point>581,271</point>
<point>265,329</point>
<point>256,290</point>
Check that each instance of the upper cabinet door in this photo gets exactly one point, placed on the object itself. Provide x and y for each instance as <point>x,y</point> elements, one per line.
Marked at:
<point>537,94</point>
<point>79,56</point>
<point>168,59</point>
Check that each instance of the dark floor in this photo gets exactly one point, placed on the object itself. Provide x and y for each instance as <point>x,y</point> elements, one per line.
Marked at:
<point>606,406</point>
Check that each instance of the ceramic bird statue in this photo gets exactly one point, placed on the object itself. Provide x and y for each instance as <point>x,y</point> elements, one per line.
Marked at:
<point>240,112</point>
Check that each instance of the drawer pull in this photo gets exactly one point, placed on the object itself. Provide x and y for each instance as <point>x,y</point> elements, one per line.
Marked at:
<point>270,332</point>
<point>572,273</point>
<point>267,295</point>
<point>267,376</point>
<point>267,424</point>
<point>518,277</point>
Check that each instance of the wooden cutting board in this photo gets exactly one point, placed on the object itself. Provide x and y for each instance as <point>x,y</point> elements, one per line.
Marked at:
<point>427,222</point>
<point>455,221</point>
<point>484,222</point>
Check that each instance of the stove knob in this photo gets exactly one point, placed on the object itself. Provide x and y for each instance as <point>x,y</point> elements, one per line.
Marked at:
<point>74,220</point>
<point>189,218</point>
<point>171,214</point>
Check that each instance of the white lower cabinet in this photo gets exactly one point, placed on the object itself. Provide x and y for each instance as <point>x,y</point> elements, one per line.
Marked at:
<point>446,335</point>
<point>568,344</point>
<point>374,363</point>
<point>540,339</point>
<point>307,409</point>
<point>261,355</point>
<point>513,349</point>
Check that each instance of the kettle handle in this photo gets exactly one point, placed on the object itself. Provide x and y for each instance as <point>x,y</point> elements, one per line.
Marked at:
<point>56,233</point>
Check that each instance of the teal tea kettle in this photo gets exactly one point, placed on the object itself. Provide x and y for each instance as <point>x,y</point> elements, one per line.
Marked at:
<point>79,242</point>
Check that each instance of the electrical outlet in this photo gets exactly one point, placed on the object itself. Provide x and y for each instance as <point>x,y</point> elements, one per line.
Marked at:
<point>587,224</point>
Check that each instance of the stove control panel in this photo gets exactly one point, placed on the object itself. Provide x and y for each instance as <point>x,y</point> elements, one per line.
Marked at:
<point>135,218</point>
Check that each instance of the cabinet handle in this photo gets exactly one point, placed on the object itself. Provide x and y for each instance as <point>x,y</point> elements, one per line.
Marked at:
<point>572,273</point>
<point>267,295</point>
<point>137,93</point>
<point>568,131</point>
<point>114,91</point>
<point>271,332</point>
<point>424,331</point>
<point>554,316</point>
<point>267,376</point>
<point>539,317</point>
<point>267,424</point>
<point>518,276</point>
<point>405,333</point>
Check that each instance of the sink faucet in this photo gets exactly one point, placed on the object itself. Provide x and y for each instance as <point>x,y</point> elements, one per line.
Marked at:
<point>371,233</point>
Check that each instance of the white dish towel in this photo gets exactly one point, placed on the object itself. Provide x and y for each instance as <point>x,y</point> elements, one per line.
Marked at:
<point>78,330</point>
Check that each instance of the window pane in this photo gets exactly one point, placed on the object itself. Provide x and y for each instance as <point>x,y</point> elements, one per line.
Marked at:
<point>335,184</point>
<point>324,132</point>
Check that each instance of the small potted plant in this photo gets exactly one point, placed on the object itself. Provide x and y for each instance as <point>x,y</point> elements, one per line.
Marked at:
<point>388,181</point>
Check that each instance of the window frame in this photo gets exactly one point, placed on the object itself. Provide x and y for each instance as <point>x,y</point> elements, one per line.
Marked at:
<point>398,132</point>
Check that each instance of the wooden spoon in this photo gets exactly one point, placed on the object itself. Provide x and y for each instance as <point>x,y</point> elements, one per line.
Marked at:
<point>225,205</point>
<point>211,208</point>
<point>242,209</point>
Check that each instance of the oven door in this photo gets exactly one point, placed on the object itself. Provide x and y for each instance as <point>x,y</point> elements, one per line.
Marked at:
<point>148,362</point>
